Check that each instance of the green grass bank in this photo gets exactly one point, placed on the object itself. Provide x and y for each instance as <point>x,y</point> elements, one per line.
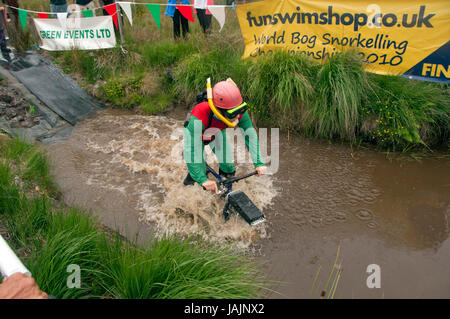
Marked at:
<point>50,237</point>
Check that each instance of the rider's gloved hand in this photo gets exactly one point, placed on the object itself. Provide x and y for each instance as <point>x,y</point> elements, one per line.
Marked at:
<point>211,186</point>
<point>261,170</point>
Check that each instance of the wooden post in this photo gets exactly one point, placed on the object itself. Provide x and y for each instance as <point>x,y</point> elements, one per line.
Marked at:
<point>119,21</point>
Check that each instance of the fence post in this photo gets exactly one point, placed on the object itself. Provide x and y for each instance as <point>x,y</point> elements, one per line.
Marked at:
<point>119,21</point>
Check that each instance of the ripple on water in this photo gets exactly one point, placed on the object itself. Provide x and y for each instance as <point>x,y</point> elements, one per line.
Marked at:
<point>372,225</point>
<point>364,214</point>
<point>325,186</point>
<point>340,216</point>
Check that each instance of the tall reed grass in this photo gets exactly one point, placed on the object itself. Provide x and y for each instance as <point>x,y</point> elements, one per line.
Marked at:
<point>406,112</point>
<point>177,268</point>
<point>167,53</point>
<point>191,73</point>
<point>280,88</point>
<point>340,85</point>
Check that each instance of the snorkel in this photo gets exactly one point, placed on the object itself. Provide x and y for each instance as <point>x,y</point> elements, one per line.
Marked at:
<point>213,108</point>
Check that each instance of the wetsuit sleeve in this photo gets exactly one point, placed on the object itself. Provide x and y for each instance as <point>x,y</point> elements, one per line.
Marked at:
<point>251,139</point>
<point>193,150</point>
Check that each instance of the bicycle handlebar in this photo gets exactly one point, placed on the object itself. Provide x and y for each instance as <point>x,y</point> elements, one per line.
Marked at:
<point>227,183</point>
<point>232,180</point>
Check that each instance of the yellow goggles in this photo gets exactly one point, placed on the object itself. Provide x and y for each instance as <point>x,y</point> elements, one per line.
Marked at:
<point>232,113</point>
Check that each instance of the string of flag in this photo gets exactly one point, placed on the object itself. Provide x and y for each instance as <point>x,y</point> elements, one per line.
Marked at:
<point>217,11</point>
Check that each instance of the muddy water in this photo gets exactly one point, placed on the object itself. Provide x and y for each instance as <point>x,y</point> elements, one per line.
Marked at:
<point>132,163</point>
<point>393,213</point>
<point>323,200</point>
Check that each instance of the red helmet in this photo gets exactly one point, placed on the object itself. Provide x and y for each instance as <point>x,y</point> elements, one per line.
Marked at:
<point>226,95</point>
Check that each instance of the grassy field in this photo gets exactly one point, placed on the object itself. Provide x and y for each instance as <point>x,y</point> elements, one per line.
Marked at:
<point>49,237</point>
<point>335,100</point>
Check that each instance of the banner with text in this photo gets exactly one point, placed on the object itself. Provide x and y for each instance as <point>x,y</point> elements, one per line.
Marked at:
<point>409,38</point>
<point>77,33</point>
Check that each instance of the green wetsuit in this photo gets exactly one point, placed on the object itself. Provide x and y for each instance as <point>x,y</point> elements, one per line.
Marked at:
<point>195,139</point>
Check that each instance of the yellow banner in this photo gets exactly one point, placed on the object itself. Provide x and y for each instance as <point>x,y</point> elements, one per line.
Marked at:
<point>409,38</point>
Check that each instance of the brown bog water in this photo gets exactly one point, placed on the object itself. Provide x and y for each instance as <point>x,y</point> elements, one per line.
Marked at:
<point>324,201</point>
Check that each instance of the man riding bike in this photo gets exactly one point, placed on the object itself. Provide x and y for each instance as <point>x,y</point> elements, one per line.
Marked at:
<point>208,120</point>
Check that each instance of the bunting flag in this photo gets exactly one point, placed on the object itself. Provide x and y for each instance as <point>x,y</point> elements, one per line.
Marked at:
<point>42,15</point>
<point>126,6</point>
<point>155,9</point>
<point>23,16</point>
<point>112,11</point>
<point>88,13</point>
<point>186,11</point>
<point>209,3</point>
<point>156,13</point>
<point>62,17</point>
<point>4,14</point>
<point>218,12</point>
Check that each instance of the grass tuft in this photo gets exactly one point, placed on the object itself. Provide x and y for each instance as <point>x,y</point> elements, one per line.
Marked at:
<point>402,114</point>
<point>177,268</point>
<point>167,53</point>
<point>280,87</point>
<point>191,73</point>
<point>340,85</point>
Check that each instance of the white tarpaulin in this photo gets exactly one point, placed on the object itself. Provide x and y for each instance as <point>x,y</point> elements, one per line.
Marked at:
<point>80,33</point>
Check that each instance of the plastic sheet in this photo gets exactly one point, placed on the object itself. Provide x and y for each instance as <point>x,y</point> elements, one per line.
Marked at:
<point>55,89</point>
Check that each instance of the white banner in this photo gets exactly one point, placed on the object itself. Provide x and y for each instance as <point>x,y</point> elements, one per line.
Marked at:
<point>80,33</point>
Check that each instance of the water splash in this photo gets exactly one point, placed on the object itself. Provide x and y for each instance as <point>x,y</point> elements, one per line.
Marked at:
<point>151,149</point>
